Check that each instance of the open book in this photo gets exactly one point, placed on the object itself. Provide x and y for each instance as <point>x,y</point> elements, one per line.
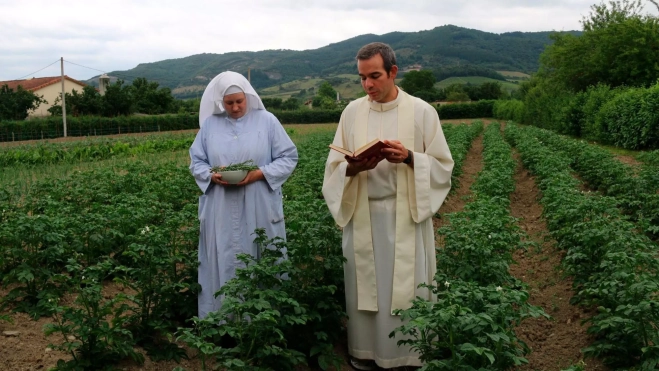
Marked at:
<point>370,149</point>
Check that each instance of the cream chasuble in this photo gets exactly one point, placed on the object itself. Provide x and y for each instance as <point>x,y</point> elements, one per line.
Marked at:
<point>386,215</point>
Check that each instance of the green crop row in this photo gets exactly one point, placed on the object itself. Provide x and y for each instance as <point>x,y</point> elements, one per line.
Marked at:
<point>636,193</point>
<point>93,150</point>
<point>472,324</point>
<point>615,269</point>
<point>138,230</point>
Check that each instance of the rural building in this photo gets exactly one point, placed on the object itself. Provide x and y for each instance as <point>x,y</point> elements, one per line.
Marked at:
<point>48,87</point>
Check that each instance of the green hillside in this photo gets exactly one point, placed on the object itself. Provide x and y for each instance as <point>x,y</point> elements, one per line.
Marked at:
<point>441,47</point>
<point>475,80</point>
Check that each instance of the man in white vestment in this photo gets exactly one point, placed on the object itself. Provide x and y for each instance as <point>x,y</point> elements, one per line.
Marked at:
<point>385,206</point>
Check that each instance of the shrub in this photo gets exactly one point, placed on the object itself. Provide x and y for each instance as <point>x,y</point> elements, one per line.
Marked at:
<point>508,110</point>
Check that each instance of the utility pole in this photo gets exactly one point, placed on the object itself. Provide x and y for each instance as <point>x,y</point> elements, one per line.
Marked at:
<point>63,97</point>
<point>249,75</point>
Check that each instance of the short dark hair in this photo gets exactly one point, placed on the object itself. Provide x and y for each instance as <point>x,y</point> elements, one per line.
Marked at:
<point>368,51</point>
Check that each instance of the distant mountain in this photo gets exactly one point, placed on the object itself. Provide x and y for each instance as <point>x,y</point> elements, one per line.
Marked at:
<point>435,49</point>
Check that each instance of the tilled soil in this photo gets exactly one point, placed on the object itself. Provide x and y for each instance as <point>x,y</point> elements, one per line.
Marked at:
<point>555,343</point>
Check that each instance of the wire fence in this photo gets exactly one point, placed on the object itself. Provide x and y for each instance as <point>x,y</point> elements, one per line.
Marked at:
<point>87,132</point>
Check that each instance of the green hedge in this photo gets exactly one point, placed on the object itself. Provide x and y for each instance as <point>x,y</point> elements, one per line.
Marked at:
<point>631,118</point>
<point>480,109</point>
<point>93,125</point>
<point>51,127</point>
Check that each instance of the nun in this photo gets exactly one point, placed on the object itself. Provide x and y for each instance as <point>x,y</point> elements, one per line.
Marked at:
<point>235,127</point>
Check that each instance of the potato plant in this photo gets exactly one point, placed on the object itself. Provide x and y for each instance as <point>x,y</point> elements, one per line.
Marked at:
<point>615,268</point>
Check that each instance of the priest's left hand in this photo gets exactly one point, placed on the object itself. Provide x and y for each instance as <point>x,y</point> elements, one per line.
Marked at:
<point>251,177</point>
<point>397,153</point>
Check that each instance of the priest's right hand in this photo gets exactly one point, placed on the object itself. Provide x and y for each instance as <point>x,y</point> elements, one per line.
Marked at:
<point>217,179</point>
<point>357,165</point>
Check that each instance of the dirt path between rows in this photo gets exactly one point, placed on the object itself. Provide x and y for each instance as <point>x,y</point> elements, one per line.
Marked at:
<point>555,343</point>
<point>460,196</point>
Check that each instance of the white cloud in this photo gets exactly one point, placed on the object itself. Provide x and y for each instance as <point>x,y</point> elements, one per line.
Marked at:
<point>120,34</point>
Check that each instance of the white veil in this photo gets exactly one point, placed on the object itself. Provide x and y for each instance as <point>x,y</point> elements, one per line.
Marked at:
<point>211,101</point>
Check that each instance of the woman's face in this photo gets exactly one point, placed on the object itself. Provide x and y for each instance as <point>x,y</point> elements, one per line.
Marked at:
<point>235,105</point>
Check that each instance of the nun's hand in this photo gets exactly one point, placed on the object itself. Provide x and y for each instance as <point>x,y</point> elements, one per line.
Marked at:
<point>217,179</point>
<point>251,177</point>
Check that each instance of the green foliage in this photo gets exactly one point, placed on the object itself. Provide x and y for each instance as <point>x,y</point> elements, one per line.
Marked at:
<point>478,109</point>
<point>95,341</point>
<point>509,110</point>
<point>471,326</point>
<point>272,103</point>
<point>631,118</point>
<point>633,189</point>
<point>290,104</point>
<point>414,81</point>
<point>619,46</point>
<point>16,105</point>
<point>30,155</point>
<point>614,267</point>
<point>326,90</point>
<point>94,125</point>
<point>457,96</point>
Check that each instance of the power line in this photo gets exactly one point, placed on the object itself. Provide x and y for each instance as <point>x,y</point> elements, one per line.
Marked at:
<point>80,65</point>
<point>119,73</point>
<point>29,74</point>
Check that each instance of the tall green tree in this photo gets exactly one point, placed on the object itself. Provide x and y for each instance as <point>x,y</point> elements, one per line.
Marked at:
<point>619,46</point>
<point>414,81</point>
<point>118,100</point>
<point>16,105</point>
<point>326,90</point>
<point>149,98</point>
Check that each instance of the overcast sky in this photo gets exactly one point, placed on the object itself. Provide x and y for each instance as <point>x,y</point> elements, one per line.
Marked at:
<point>119,34</point>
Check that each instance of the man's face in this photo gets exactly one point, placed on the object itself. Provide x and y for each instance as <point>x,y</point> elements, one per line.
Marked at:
<point>379,86</point>
<point>235,104</point>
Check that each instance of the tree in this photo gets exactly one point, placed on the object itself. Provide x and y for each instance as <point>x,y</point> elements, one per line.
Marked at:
<point>326,90</point>
<point>16,105</point>
<point>414,81</point>
<point>149,98</point>
<point>272,103</point>
<point>90,102</point>
<point>619,46</point>
<point>118,100</point>
<point>290,104</point>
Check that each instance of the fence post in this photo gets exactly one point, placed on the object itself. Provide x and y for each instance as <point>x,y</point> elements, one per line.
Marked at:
<point>159,128</point>
<point>41,134</point>
<point>12,136</point>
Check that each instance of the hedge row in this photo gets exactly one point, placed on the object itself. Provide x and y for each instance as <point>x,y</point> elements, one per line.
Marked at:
<point>623,117</point>
<point>52,127</point>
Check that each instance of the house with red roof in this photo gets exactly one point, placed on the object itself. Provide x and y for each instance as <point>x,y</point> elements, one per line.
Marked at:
<point>48,87</point>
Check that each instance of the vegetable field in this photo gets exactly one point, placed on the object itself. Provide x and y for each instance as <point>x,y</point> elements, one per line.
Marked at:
<point>546,261</point>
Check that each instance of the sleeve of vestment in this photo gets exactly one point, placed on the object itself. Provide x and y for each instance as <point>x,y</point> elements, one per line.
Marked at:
<point>340,192</point>
<point>199,165</point>
<point>283,153</point>
<point>432,167</point>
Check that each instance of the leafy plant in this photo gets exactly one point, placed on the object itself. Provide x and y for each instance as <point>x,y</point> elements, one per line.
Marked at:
<point>245,165</point>
<point>93,330</point>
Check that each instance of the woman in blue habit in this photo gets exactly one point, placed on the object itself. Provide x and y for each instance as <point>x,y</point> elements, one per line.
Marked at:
<point>235,127</point>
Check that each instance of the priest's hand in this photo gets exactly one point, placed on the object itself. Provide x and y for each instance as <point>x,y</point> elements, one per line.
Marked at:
<point>251,177</point>
<point>397,153</point>
<point>357,165</point>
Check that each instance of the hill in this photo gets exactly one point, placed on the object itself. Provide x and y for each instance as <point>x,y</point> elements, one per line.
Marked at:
<point>434,49</point>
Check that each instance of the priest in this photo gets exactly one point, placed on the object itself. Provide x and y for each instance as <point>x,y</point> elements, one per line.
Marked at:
<point>385,205</point>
